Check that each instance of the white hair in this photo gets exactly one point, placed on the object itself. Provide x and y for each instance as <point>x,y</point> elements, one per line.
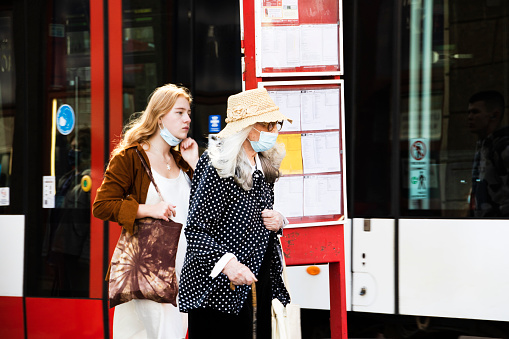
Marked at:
<point>229,159</point>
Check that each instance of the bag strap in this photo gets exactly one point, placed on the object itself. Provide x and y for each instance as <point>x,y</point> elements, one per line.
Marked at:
<point>283,263</point>
<point>149,172</point>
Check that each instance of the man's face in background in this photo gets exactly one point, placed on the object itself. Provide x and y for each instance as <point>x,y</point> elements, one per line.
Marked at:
<point>480,120</point>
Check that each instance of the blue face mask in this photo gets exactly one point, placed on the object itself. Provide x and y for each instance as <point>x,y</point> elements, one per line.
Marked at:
<point>168,137</point>
<point>267,141</point>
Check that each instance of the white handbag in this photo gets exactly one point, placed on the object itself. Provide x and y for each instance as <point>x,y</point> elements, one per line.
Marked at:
<point>285,320</point>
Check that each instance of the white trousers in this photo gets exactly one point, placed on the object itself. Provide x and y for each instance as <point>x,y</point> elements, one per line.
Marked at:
<point>147,319</point>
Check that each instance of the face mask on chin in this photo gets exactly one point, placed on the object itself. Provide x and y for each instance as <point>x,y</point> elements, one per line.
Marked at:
<point>267,141</point>
<point>168,137</point>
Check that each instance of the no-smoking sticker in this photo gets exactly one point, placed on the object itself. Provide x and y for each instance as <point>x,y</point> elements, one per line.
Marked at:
<point>418,150</point>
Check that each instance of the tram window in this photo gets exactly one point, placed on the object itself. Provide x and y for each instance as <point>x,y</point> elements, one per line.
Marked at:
<point>195,44</point>
<point>368,46</point>
<point>58,258</point>
<point>454,134</point>
<point>7,103</point>
<point>147,33</point>
<point>449,51</point>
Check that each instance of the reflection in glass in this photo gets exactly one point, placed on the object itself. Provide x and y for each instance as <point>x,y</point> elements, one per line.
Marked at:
<point>419,98</point>
<point>454,50</point>
<point>7,103</point>
<point>146,36</point>
<point>490,188</point>
<point>65,240</point>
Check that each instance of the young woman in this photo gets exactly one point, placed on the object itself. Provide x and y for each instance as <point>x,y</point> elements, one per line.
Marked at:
<point>127,194</point>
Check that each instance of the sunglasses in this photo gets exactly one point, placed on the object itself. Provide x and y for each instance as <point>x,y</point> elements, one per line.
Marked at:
<point>270,125</point>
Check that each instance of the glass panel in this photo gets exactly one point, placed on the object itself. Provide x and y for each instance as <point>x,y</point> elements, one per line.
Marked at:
<point>216,68</point>
<point>7,104</point>
<point>195,44</point>
<point>368,62</point>
<point>64,259</point>
<point>147,64</point>
<point>455,145</point>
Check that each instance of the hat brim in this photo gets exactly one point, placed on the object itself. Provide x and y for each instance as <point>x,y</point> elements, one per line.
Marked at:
<point>237,126</point>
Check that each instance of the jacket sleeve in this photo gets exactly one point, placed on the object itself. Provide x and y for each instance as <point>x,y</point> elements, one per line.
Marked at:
<point>112,201</point>
<point>207,205</point>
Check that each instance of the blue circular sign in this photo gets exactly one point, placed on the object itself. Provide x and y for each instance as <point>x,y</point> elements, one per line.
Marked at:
<point>65,119</point>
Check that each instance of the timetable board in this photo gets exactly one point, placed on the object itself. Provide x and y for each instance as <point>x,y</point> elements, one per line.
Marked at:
<point>312,188</point>
<point>298,37</point>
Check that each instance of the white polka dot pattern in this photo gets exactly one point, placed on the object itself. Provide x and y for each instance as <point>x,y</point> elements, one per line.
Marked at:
<point>223,218</point>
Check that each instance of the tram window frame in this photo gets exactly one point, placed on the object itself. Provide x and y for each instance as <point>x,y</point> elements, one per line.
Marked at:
<point>7,104</point>
<point>389,197</point>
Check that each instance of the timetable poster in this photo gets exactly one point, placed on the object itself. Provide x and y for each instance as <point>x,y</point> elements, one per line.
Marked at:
<point>308,196</point>
<point>310,109</point>
<point>298,36</point>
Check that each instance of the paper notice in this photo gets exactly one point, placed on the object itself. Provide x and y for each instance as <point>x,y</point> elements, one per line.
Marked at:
<point>289,104</point>
<point>4,196</point>
<point>292,163</point>
<point>320,109</point>
<point>322,194</point>
<point>289,196</point>
<point>320,152</point>
<point>48,192</point>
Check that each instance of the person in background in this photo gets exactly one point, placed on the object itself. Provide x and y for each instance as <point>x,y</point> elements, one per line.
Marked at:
<point>490,170</point>
<point>231,227</point>
<point>127,194</point>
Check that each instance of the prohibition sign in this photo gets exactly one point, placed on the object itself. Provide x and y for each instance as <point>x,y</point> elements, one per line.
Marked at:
<point>418,150</point>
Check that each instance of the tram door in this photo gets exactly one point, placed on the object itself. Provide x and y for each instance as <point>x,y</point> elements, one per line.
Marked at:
<point>45,146</point>
<point>72,72</point>
<point>45,163</point>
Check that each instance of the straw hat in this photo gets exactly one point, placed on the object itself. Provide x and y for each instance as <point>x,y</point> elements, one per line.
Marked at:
<point>247,108</point>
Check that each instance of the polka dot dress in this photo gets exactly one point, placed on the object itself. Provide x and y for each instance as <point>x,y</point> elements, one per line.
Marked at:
<point>223,218</point>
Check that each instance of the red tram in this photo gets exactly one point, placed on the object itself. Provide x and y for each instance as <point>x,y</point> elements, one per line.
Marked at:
<point>417,241</point>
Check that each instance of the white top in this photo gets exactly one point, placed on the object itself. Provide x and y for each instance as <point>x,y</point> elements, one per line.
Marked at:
<point>175,191</point>
<point>146,319</point>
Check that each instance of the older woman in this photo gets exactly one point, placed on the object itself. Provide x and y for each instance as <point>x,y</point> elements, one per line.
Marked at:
<point>231,227</point>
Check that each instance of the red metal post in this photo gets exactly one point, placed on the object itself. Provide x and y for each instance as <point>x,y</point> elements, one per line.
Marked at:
<point>306,245</point>
<point>97,68</point>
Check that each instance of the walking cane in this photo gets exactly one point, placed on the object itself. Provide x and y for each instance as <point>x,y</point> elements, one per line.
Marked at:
<point>253,292</point>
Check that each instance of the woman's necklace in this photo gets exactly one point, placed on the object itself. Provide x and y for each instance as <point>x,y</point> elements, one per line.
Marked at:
<point>168,167</point>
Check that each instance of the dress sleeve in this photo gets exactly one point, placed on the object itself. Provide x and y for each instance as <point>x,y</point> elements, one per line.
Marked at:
<point>112,201</point>
<point>207,205</point>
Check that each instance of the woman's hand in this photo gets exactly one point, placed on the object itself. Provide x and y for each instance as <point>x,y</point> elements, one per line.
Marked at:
<point>273,220</point>
<point>239,274</point>
<point>189,151</point>
<point>161,210</point>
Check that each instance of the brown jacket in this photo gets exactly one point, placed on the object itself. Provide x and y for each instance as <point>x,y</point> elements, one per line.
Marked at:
<point>125,186</point>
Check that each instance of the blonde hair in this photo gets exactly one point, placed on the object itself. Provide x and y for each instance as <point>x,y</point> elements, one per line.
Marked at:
<point>142,126</point>
<point>230,159</point>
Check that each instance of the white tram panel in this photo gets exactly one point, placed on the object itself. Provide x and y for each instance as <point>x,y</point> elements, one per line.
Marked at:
<point>12,249</point>
<point>454,268</point>
<point>348,262</point>
<point>373,266</point>
<point>309,291</point>
<point>313,291</point>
